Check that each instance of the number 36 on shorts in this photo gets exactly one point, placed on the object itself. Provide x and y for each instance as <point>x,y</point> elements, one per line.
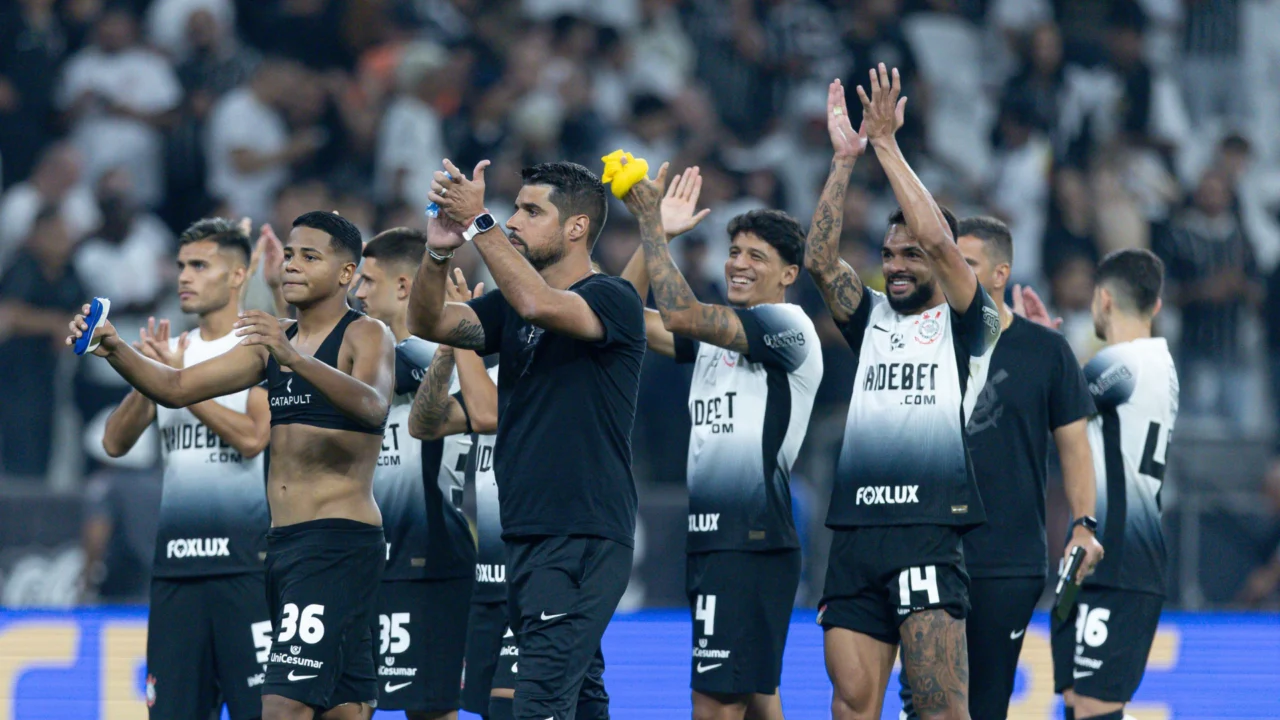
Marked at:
<point>307,625</point>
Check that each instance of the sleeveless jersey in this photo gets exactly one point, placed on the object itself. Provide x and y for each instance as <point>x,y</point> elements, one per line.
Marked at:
<point>213,508</point>
<point>418,485</point>
<point>295,401</point>
<point>750,414</point>
<point>904,460</point>
<point>491,558</point>
<point>1135,387</point>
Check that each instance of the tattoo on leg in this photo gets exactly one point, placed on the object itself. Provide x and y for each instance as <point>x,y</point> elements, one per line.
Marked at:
<point>936,661</point>
<point>466,335</point>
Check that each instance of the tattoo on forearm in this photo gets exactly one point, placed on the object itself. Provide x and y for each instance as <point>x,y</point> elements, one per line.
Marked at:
<point>466,335</point>
<point>431,403</point>
<point>714,324</point>
<point>936,661</point>
<point>839,284</point>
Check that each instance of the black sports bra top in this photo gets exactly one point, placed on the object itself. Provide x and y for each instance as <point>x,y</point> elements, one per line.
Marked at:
<point>294,401</point>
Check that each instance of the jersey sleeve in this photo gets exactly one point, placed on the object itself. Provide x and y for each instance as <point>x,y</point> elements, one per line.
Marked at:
<point>776,335</point>
<point>977,327</point>
<point>491,308</point>
<point>686,349</point>
<point>1069,398</point>
<point>856,328</point>
<point>1111,379</point>
<point>412,359</point>
<point>619,308</point>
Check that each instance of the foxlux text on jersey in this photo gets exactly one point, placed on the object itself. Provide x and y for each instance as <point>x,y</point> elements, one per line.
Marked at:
<point>198,547</point>
<point>886,495</point>
<point>716,412</point>
<point>903,376</point>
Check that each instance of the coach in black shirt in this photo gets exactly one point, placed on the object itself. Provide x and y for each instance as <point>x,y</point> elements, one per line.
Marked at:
<point>1026,387</point>
<point>571,344</point>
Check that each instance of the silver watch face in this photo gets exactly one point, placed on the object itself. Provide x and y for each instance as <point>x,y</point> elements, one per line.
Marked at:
<point>484,222</point>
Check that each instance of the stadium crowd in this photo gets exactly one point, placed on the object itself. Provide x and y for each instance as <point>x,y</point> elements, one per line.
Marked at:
<point>1087,125</point>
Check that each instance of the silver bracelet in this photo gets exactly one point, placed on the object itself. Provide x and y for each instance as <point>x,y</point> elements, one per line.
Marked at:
<point>438,257</point>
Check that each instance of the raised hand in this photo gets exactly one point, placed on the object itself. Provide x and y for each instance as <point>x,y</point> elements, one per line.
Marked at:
<point>459,198</point>
<point>884,112</point>
<point>154,342</point>
<point>1029,305</point>
<point>645,198</point>
<point>846,143</point>
<point>679,206</point>
<point>443,234</point>
<point>455,290</point>
<point>106,333</point>
<point>259,328</point>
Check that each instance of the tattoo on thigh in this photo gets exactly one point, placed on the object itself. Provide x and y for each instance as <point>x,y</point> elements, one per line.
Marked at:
<point>936,661</point>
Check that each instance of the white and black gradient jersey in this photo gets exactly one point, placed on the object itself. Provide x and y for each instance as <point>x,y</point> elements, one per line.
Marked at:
<point>1135,387</point>
<point>213,508</point>
<point>904,460</point>
<point>491,555</point>
<point>418,485</point>
<point>750,414</point>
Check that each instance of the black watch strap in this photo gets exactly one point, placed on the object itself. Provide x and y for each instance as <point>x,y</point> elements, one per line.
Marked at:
<point>1088,522</point>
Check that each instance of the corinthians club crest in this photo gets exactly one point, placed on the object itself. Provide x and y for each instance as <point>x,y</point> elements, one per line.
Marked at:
<point>929,327</point>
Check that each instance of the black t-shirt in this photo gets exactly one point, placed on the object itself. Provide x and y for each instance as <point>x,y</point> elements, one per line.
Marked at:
<point>1033,387</point>
<point>563,453</point>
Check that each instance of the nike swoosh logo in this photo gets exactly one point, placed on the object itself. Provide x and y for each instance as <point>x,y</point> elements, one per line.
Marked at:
<point>703,668</point>
<point>546,617</point>
<point>877,327</point>
<point>295,678</point>
<point>392,688</point>
<point>1017,634</point>
<point>1077,674</point>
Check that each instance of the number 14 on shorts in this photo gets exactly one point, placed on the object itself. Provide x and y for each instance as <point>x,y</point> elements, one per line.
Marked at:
<point>917,580</point>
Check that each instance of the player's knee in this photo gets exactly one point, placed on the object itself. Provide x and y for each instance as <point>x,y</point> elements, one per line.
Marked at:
<point>719,707</point>
<point>846,705</point>
<point>277,707</point>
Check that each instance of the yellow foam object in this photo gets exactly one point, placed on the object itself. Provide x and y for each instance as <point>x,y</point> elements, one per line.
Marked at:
<point>622,175</point>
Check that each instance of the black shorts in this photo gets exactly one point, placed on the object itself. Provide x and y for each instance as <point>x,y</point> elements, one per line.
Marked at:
<point>322,583</point>
<point>504,673</point>
<point>486,625</point>
<point>420,637</point>
<point>741,604</point>
<point>994,631</point>
<point>563,591</point>
<point>877,576</point>
<point>207,636</point>
<point>1101,650</point>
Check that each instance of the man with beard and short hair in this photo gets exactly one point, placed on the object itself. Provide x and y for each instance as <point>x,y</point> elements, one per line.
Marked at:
<point>571,343</point>
<point>209,627</point>
<point>1032,388</point>
<point>904,490</point>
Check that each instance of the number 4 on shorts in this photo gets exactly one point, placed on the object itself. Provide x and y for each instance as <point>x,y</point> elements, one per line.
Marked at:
<point>918,579</point>
<point>704,611</point>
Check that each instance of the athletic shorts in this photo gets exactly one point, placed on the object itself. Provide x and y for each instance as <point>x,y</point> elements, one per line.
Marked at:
<point>994,632</point>
<point>563,591</point>
<point>741,604</point>
<point>504,673</point>
<point>486,625</point>
<point>322,584</point>
<point>421,635</point>
<point>877,576</point>
<point>207,637</point>
<point>1101,650</point>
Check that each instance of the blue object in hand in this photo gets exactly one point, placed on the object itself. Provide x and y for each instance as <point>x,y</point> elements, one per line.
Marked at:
<point>433,210</point>
<point>98,311</point>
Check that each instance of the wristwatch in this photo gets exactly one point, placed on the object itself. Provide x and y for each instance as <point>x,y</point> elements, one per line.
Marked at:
<point>483,222</point>
<point>1088,522</point>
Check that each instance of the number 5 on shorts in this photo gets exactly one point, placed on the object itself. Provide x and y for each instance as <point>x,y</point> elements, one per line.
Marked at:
<point>261,632</point>
<point>918,579</point>
<point>310,629</point>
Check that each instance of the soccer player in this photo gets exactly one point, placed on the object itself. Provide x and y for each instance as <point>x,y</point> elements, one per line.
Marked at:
<point>1031,387</point>
<point>758,365</point>
<point>426,587</point>
<point>571,343</point>
<point>209,628</point>
<point>329,384</point>
<point>1100,652</point>
<point>904,490</point>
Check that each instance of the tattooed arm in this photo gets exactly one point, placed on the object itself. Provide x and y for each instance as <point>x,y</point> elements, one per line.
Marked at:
<point>681,312</point>
<point>436,413</point>
<point>840,285</point>
<point>450,323</point>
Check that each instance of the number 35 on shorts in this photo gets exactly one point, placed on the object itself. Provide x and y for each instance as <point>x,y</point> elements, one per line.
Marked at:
<point>393,636</point>
<point>307,625</point>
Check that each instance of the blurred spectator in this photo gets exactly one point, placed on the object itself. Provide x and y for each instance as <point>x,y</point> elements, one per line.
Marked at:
<point>1260,587</point>
<point>1212,278</point>
<point>56,183</point>
<point>1211,47</point>
<point>38,294</point>
<point>1019,185</point>
<point>411,141</point>
<point>32,46</point>
<point>309,31</point>
<point>118,96</point>
<point>1039,84</point>
<point>169,24</point>
<point>1071,298</point>
<point>667,55</point>
<point>249,148</point>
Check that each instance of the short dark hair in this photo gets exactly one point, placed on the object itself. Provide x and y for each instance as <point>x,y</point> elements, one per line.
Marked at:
<point>224,232</point>
<point>400,245</point>
<point>342,232</point>
<point>775,227</point>
<point>575,190</point>
<point>897,217</point>
<point>1135,275</point>
<point>993,233</point>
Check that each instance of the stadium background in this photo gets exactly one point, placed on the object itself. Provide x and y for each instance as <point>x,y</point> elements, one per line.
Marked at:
<point>1088,125</point>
